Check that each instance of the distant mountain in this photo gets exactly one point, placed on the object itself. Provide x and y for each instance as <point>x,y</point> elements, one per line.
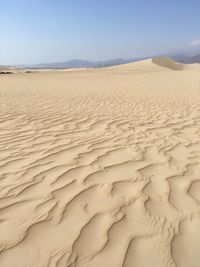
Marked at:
<point>77,63</point>
<point>181,58</point>
<point>186,59</point>
<point>195,59</point>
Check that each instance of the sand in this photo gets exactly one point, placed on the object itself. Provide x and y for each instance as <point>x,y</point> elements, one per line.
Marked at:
<point>101,167</point>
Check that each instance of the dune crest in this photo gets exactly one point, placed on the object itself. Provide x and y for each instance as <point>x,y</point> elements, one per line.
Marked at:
<point>100,168</point>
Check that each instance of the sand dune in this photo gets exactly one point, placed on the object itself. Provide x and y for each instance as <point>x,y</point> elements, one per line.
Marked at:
<point>101,168</point>
<point>167,63</point>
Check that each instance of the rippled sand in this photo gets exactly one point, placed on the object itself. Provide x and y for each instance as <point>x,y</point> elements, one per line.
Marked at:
<point>101,168</point>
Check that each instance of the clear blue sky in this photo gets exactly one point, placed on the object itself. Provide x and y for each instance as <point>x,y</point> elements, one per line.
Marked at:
<point>35,31</point>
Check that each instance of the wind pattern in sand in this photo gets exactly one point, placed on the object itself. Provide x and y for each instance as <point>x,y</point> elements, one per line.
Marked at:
<point>101,168</point>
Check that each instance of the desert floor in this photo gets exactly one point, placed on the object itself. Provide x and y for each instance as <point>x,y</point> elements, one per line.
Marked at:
<point>101,167</point>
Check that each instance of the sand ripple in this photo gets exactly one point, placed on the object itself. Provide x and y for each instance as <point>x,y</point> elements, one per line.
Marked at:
<point>100,168</point>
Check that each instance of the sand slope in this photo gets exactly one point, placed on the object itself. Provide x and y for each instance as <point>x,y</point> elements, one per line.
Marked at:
<point>168,63</point>
<point>100,168</point>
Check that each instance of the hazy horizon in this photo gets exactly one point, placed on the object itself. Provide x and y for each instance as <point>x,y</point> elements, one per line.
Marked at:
<point>42,31</point>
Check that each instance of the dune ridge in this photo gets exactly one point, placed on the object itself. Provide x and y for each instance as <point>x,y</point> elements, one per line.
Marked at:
<point>100,168</point>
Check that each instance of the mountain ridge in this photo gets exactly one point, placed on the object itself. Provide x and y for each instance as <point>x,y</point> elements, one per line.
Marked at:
<point>80,63</point>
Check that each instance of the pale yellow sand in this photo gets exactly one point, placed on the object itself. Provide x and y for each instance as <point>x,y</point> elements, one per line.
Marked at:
<point>101,168</point>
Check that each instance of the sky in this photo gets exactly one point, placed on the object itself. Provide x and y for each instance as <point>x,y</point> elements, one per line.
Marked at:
<point>38,31</point>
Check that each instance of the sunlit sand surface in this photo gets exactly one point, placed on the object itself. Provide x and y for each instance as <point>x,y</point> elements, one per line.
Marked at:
<point>101,167</point>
